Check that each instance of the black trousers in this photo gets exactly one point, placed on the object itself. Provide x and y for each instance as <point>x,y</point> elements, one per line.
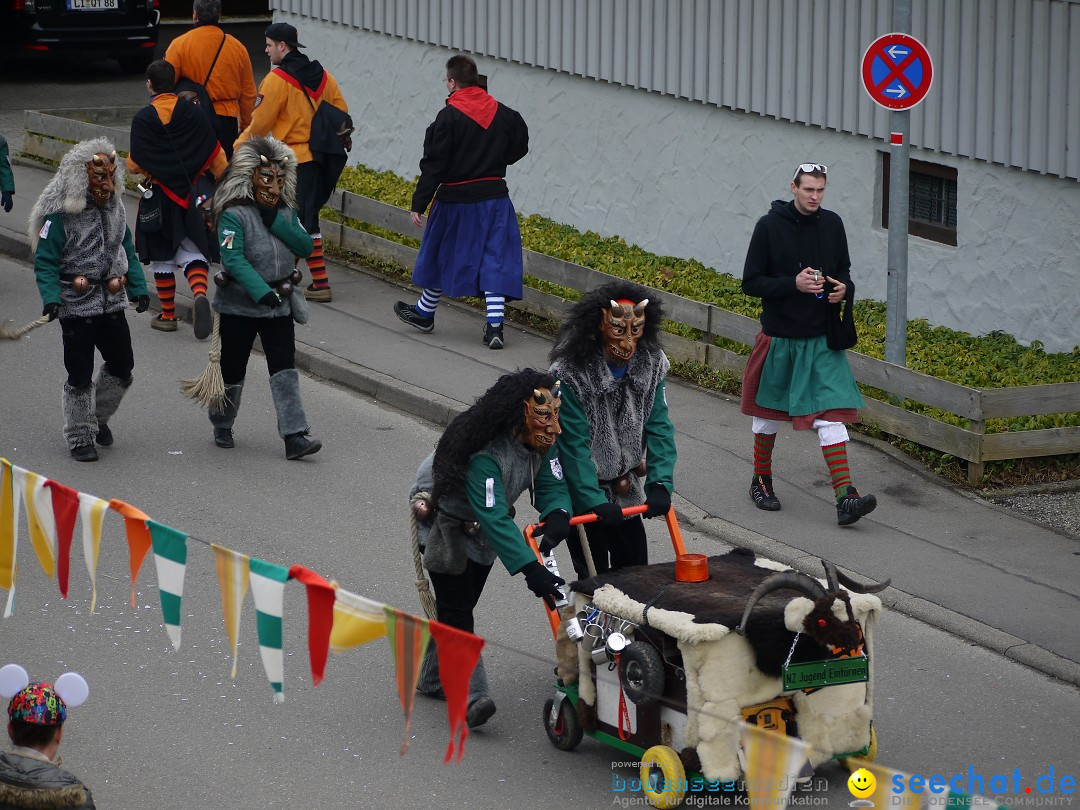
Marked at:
<point>107,333</point>
<point>616,547</point>
<point>456,595</point>
<point>238,336</point>
<point>315,182</point>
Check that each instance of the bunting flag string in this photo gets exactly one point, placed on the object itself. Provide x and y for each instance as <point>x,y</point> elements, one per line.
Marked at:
<point>268,591</point>
<point>65,509</point>
<point>233,571</point>
<point>138,537</point>
<point>320,599</point>
<point>92,516</point>
<point>9,534</point>
<point>39,517</point>
<point>458,653</point>
<point>357,620</point>
<point>409,638</point>
<point>772,763</point>
<point>170,557</point>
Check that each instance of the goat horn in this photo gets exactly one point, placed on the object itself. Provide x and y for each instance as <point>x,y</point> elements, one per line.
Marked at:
<point>830,576</point>
<point>794,580</point>
<point>856,587</point>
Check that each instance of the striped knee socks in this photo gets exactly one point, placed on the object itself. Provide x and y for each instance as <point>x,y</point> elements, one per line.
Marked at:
<point>316,265</point>
<point>166,293</point>
<point>836,458</point>
<point>763,447</point>
<point>429,300</point>
<point>197,275</point>
<point>496,306</point>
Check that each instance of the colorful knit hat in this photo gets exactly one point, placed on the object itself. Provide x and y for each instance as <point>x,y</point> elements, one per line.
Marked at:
<point>38,704</point>
<point>41,704</point>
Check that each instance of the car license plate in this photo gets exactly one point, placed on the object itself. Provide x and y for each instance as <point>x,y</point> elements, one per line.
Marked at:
<point>93,5</point>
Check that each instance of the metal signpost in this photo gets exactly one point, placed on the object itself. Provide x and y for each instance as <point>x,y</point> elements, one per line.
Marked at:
<point>897,73</point>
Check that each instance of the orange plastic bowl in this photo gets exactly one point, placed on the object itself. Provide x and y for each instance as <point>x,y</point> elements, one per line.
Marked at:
<point>691,568</point>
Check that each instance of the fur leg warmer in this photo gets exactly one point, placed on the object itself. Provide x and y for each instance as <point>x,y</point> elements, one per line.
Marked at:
<point>227,415</point>
<point>80,425</point>
<point>285,390</point>
<point>108,391</point>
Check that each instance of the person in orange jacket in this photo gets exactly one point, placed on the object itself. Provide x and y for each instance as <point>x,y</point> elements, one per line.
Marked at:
<point>288,99</point>
<point>207,51</point>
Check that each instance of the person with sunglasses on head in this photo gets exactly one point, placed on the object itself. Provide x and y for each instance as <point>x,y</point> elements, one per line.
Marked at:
<point>798,264</point>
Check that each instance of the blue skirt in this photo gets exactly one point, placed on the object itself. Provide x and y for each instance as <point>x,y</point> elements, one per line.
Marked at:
<point>471,248</point>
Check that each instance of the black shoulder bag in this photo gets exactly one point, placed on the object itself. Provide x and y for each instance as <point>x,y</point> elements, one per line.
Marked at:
<point>197,93</point>
<point>840,333</point>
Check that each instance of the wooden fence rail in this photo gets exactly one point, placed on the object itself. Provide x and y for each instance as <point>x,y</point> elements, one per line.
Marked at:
<point>47,129</point>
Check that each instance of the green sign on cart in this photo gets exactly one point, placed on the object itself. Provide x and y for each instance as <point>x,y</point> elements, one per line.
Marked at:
<point>834,671</point>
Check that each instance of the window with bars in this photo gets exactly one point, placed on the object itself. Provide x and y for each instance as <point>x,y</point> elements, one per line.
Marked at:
<point>931,200</point>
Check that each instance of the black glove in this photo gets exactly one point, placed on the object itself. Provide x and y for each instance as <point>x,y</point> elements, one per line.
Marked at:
<point>268,215</point>
<point>6,201</point>
<point>52,310</point>
<point>271,299</point>
<point>658,499</point>
<point>610,514</point>
<point>556,529</point>
<point>543,583</point>
<point>142,303</point>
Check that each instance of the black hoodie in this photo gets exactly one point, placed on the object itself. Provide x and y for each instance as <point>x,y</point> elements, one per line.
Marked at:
<point>784,242</point>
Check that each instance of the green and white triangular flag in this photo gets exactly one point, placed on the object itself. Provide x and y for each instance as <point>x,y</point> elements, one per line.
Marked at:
<point>170,557</point>
<point>268,590</point>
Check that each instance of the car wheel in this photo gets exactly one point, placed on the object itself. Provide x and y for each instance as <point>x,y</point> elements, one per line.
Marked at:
<point>642,673</point>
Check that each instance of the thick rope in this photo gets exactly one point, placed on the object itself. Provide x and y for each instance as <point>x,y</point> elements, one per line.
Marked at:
<point>208,389</point>
<point>14,333</point>
<point>423,587</point>
<point>584,538</point>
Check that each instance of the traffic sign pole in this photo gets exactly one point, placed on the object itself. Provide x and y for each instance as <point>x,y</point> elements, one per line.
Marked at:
<point>899,162</point>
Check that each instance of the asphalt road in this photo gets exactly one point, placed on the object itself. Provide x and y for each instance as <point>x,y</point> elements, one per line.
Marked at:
<point>170,729</point>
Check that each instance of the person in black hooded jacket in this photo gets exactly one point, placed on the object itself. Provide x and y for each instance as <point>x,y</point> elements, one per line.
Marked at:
<point>798,264</point>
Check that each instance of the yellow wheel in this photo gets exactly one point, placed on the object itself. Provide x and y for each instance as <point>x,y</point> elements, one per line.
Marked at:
<point>854,763</point>
<point>663,778</point>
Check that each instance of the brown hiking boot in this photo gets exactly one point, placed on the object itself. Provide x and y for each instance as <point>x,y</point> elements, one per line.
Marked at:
<point>163,324</point>
<point>322,295</point>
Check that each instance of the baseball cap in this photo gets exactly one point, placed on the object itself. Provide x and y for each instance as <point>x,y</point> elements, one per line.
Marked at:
<point>283,32</point>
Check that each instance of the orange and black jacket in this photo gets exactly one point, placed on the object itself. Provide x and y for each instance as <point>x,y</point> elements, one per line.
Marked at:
<point>232,84</point>
<point>173,142</point>
<point>287,100</point>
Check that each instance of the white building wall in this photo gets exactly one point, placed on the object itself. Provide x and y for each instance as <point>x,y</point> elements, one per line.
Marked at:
<point>687,179</point>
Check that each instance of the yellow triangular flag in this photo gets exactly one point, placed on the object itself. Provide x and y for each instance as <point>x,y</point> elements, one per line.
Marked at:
<point>39,516</point>
<point>357,620</point>
<point>9,532</point>
<point>233,572</point>
<point>92,516</point>
<point>773,760</point>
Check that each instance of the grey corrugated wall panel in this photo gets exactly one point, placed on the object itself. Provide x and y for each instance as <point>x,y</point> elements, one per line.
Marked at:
<point>1007,72</point>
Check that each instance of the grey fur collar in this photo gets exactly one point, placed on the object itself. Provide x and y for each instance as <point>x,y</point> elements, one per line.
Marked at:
<point>66,192</point>
<point>236,186</point>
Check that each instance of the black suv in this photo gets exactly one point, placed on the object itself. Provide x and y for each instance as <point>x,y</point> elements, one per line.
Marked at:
<point>126,30</point>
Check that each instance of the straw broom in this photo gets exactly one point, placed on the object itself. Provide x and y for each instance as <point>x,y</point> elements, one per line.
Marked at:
<point>14,333</point>
<point>208,389</point>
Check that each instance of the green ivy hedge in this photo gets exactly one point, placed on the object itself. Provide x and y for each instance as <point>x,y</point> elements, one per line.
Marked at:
<point>989,361</point>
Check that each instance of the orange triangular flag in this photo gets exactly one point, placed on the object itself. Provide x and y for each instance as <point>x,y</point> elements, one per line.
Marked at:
<point>138,537</point>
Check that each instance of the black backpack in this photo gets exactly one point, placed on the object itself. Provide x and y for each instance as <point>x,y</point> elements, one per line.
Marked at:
<point>197,93</point>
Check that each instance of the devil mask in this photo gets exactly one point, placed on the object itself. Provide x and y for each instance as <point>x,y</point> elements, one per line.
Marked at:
<point>542,418</point>
<point>101,173</point>
<point>269,181</point>
<point>622,325</point>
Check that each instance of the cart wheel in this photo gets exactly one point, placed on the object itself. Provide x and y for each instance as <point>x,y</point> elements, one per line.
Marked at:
<point>663,778</point>
<point>854,763</point>
<point>565,733</point>
<point>642,673</point>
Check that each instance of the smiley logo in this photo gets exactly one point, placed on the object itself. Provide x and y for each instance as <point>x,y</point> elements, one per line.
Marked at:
<point>861,783</point>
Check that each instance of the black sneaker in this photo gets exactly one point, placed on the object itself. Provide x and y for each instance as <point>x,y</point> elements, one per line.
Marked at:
<point>853,506</point>
<point>493,336</point>
<point>412,317</point>
<point>762,492</point>
<point>84,452</point>
<point>104,436</point>
<point>223,438</point>
<point>479,712</point>
<point>299,445</point>
<point>202,321</point>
